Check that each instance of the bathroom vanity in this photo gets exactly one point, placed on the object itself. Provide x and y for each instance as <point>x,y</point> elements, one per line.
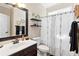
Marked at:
<point>23,48</point>
<point>30,51</point>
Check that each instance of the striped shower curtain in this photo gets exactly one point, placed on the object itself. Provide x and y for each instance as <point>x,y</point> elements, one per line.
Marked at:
<point>55,33</point>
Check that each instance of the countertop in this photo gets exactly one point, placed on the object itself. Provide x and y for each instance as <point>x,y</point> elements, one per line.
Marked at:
<point>10,48</point>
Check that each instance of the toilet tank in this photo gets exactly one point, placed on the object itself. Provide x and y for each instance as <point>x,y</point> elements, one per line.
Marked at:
<point>37,39</point>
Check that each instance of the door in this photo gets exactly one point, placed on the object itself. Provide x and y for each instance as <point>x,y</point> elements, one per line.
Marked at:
<point>4,25</point>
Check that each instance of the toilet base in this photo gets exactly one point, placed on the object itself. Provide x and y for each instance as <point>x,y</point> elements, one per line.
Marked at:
<point>40,53</point>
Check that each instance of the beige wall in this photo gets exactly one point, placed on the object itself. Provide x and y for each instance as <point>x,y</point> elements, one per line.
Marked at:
<point>5,10</point>
<point>37,9</point>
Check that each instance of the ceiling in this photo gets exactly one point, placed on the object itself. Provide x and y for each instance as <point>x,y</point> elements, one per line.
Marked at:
<point>46,5</point>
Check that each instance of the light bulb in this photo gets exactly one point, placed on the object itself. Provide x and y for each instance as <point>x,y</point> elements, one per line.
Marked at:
<point>21,5</point>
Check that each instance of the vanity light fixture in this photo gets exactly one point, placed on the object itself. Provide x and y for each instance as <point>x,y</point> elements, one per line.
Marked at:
<point>22,5</point>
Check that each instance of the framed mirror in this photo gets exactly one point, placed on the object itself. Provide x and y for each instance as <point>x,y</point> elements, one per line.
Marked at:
<point>13,21</point>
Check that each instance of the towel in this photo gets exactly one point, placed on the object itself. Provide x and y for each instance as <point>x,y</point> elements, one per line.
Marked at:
<point>73,37</point>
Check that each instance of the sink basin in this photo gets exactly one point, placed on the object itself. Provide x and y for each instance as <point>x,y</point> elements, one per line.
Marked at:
<point>14,46</point>
<point>19,45</point>
<point>10,48</point>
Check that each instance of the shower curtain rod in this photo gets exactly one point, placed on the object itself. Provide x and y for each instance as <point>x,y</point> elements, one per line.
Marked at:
<point>58,14</point>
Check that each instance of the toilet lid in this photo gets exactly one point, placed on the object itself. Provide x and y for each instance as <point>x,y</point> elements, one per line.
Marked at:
<point>43,48</point>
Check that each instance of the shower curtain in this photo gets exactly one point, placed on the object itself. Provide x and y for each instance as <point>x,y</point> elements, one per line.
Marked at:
<point>55,33</point>
<point>67,19</point>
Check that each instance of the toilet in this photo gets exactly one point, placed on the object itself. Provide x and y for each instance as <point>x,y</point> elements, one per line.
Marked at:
<point>42,48</point>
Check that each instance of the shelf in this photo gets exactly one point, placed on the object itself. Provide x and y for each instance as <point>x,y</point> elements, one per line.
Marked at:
<point>35,19</point>
<point>35,25</point>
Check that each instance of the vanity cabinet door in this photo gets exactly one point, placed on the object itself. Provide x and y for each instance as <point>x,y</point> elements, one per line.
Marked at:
<point>30,51</point>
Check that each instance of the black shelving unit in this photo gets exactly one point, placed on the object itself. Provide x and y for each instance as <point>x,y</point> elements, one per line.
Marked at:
<point>35,26</point>
<point>35,19</point>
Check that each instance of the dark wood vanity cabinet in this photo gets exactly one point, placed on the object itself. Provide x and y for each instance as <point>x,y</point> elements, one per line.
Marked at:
<point>30,51</point>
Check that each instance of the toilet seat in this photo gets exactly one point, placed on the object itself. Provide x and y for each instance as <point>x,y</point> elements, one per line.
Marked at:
<point>43,48</point>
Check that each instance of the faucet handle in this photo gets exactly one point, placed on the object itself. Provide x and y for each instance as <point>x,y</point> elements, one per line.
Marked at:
<point>16,41</point>
<point>1,46</point>
<point>27,37</point>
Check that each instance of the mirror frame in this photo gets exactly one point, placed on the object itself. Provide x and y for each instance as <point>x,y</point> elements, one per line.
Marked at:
<point>18,36</point>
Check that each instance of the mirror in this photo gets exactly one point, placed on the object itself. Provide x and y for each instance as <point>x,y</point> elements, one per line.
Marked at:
<point>13,21</point>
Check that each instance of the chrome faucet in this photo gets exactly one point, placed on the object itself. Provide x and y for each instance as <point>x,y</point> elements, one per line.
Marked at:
<point>1,46</point>
<point>16,41</point>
